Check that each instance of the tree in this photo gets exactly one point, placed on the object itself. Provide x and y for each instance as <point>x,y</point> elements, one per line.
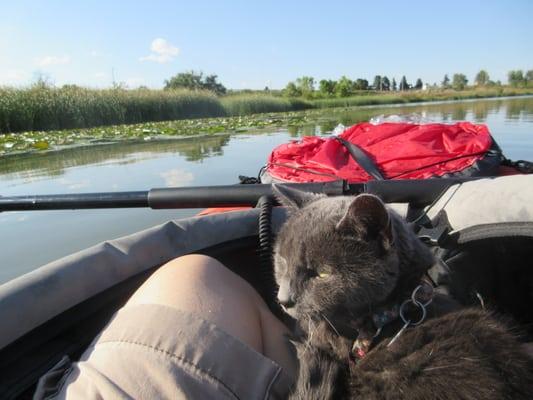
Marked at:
<point>446,82</point>
<point>394,86</point>
<point>344,87</point>
<point>419,85</point>
<point>459,81</point>
<point>195,81</point>
<point>360,84</point>
<point>515,77</point>
<point>211,84</point>
<point>291,90</point>
<point>306,85</point>
<point>385,83</point>
<point>403,84</point>
<point>529,77</point>
<point>482,78</point>
<point>377,82</point>
<point>327,86</point>
<point>188,80</point>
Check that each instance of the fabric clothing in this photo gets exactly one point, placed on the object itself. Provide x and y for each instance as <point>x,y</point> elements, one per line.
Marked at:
<point>150,351</point>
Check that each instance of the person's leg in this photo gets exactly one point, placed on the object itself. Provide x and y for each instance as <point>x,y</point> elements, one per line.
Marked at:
<point>202,286</point>
<point>194,329</point>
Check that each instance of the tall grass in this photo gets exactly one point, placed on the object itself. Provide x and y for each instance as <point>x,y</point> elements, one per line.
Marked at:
<point>256,103</point>
<point>41,107</point>
<point>46,108</point>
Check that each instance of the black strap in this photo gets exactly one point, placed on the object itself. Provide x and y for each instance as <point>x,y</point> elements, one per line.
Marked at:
<point>523,166</point>
<point>361,158</point>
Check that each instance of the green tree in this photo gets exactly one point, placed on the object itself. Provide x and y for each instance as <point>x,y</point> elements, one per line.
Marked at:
<point>306,85</point>
<point>188,80</point>
<point>482,78</point>
<point>377,83</point>
<point>529,77</point>
<point>327,87</point>
<point>210,83</point>
<point>360,84</point>
<point>385,83</point>
<point>195,81</point>
<point>419,85</point>
<point>446,82</point>
<point>394,85</point>
<point>291,90</point>
<point>515,77</point>
<point>459,81</point>
<point>344,87</point>
<point>403,84</point>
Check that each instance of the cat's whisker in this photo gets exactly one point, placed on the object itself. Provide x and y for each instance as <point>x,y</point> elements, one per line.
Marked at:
<point>311,329</point>
<point>330,324</point>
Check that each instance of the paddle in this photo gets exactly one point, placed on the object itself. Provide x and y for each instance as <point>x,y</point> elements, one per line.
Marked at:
<point>417,192</point>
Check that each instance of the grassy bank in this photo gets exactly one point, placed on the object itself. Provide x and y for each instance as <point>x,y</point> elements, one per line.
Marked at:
<point>45,108</point>
<point>419,96</point>
<point>42,108</point>
<point>307,122</point>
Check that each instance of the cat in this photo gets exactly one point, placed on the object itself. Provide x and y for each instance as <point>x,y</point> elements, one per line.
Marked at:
<point>344,265</point>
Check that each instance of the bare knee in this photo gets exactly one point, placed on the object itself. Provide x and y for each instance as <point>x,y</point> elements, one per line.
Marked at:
<point>191,279</point>
<point>202,286</point>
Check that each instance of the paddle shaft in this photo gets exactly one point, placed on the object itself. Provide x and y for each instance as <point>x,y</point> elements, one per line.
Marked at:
<point>418,192</point>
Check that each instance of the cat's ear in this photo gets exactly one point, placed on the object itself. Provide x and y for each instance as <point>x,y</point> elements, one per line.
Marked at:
<point>293,198</point>
<point>367,217</point>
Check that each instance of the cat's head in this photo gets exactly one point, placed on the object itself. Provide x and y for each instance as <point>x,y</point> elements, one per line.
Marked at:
<point>337,257</point>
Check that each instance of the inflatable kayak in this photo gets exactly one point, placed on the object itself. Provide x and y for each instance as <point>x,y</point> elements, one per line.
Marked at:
<point>482,231</point>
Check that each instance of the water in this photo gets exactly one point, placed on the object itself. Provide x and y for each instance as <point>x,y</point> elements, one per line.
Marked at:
<point>31,239</point>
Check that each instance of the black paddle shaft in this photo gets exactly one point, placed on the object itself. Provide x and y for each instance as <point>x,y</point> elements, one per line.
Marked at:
<point>417,192</point>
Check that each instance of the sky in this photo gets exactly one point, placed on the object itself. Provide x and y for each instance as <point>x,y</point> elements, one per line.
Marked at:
<point>256,44</point>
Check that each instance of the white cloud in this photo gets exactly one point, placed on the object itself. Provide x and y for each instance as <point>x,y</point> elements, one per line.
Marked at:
<point>94,53</point>
<point>162,52</point>
<point>52,60</point>
<point>177,177</point>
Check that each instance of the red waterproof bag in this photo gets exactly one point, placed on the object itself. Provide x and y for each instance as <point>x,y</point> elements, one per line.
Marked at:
<point>390,151</point>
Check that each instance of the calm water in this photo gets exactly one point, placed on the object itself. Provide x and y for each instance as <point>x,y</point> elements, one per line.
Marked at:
<point>31,239</point>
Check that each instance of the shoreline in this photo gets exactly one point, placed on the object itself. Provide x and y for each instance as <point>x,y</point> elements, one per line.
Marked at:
<point>40,142</point>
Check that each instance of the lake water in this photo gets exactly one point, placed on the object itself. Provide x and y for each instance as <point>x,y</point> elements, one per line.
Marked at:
<point>31,239</point>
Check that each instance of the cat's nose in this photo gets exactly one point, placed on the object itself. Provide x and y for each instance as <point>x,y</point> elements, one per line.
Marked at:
<point>284,296</point>
<point>287,303</point>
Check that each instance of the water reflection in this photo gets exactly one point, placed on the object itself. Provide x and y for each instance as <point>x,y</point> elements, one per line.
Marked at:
<point>519,109</point>
<point>55,163</point>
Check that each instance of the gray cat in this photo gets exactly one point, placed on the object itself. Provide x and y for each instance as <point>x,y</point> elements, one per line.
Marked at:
<point>346,267</point>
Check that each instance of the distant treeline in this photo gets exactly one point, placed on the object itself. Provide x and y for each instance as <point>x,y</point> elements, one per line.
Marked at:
<point>191,95</point>
<point>307,87</point>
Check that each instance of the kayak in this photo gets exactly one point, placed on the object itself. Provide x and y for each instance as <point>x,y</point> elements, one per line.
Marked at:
<point>482,229</point>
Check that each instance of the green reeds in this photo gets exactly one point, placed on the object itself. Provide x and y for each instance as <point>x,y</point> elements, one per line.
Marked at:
<point>48,108</point>
<point>43,108</point>
<point>255,103</point>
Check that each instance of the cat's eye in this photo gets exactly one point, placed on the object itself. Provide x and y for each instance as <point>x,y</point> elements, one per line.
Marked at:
<point>323,275</point>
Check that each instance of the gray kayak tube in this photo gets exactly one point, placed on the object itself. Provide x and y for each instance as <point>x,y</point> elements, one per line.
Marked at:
<point>34,298</point>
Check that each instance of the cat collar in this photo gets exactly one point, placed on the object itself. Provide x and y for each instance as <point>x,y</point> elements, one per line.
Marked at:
<point>420,298</point>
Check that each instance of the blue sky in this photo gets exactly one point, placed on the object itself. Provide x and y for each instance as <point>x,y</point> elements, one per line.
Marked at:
<point>256,44</point>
